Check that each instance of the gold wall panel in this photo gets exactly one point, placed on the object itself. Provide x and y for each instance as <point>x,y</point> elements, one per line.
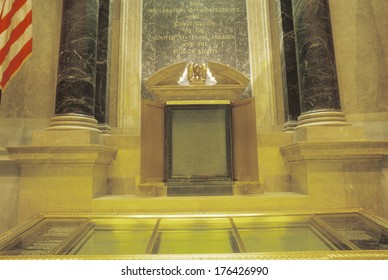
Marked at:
<point>245,162</point>
<point>152,142</point>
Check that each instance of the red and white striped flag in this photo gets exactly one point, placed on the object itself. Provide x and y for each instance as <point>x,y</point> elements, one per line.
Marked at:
<point>15,37</point>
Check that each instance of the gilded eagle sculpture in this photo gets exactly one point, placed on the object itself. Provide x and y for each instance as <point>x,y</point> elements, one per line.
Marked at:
<point>197,73</point>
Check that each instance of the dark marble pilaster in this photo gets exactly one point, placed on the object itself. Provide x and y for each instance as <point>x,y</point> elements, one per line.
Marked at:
<point>318,86</point>
<point>75,92</point>
<point>288,63</point>
<point>103,58</point>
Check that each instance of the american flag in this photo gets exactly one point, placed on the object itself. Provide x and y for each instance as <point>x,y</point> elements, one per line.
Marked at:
<point>15,37</point>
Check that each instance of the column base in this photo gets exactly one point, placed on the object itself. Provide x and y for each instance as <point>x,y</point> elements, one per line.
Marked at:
<point>290,126</point>
<point>73,122</point>
<point>322,118</point>
<point>105,129</point>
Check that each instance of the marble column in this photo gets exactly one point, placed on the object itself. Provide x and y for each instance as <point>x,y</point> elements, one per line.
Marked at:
<point>75,92</point>
<point>288,64</point>
<point>103,58</point>
<point>318,86</point>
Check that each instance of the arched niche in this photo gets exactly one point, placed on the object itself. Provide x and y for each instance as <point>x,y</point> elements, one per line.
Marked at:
<point>241,175</point>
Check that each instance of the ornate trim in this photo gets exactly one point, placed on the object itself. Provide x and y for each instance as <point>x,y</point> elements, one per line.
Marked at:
<point>92,154</point>
<point>9,235</point>
<point>290,126</point>
<point>322,117</point>
<point>73,122</point>
<point>342,150</point>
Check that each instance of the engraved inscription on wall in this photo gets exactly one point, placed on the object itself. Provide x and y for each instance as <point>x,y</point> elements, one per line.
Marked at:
<point>194,30</point>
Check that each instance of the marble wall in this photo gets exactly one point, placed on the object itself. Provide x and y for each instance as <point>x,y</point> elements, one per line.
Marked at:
<point>194,31</point>
<point>317,75</point>
<point>288,60</point>
<point>31,92</point>
<point>76,83</point>
<point>103,58</point>
<point>360,32</point>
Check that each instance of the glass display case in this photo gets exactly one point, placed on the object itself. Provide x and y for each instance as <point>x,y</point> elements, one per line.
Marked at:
<point>350,234</point>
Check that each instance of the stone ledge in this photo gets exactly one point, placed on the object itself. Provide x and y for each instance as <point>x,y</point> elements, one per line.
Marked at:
<point>66,138</point>
<point>200,204</point>
<point>84,154</point>
<point>320,133</point>
<point>344,150</point>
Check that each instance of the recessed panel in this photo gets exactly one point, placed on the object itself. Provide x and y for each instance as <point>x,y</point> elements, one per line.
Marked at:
<point>198,143</point>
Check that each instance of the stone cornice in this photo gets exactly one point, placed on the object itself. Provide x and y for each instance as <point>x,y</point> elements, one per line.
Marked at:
<point>342,150</point>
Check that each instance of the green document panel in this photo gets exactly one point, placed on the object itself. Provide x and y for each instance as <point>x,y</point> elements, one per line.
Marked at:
<point>199,143</point>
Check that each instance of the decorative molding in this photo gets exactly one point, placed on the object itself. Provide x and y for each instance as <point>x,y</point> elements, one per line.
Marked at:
<point>230,84</point>
<point>88,154</point>
<point>73,122</point>
<point>342,150</point>
<point>322,117</point>
<point>105,129</point>
<point>290,126</point>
